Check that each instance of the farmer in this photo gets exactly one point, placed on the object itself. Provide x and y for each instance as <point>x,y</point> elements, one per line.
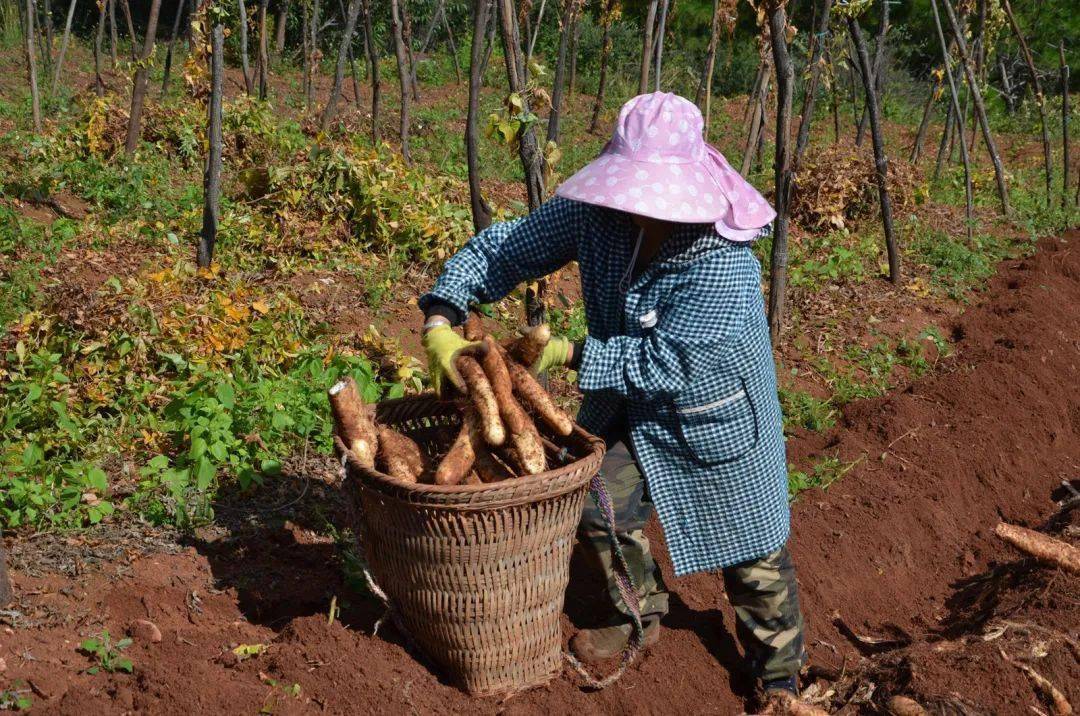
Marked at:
<point>677,370</point>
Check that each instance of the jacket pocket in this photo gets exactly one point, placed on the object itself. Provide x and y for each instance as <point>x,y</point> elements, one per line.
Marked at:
<point>720,430</point>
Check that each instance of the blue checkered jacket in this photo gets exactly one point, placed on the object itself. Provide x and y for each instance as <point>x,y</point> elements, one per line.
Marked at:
<point>683,355</point>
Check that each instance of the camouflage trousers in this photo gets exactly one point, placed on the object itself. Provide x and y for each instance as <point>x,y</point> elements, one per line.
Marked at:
<point>763,592</point>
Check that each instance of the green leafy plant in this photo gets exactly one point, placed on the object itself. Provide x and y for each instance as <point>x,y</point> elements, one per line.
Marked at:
<point>16,698</point>
<point>107,655</point>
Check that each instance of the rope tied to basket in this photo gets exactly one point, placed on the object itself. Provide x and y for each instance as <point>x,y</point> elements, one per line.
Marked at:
<point>625,583</point>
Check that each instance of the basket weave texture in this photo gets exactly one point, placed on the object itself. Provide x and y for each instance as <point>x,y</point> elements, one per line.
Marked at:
<point>477,573</point>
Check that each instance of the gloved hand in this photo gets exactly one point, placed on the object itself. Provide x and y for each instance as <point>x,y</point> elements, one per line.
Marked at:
<point>557,352</point>
<point>443,346</point>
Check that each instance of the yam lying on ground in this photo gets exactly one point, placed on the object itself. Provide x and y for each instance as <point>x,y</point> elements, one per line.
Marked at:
<point>353,421</point>
<point>399,456</point>
<point>483,399</point>
<point>1042,547</point>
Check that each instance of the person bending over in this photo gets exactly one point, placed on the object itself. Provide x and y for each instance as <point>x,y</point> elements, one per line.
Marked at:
<point>677,370</point>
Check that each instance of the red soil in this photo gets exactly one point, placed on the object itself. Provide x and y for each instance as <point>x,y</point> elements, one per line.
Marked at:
<point>902,544</point>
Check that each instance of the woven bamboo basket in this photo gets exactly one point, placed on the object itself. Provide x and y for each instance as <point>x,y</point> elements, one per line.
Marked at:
<point>476,573</point>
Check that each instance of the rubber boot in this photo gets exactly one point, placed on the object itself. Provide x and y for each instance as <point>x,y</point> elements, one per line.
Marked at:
<point>607,642</point>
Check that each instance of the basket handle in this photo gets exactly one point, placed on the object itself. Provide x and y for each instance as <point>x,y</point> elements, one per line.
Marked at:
<point>625,583</point>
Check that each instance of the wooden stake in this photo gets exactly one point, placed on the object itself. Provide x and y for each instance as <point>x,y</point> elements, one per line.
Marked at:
<point>63,46</point>
<point>782,168</point>
<point>481,212</point>
<point>142,75</point>
<point>1040,98</point>
<point>960,121</point>
<point>172,44</point>
<point>245,64</point>
<point>339,70</point>
<point>1065,129</point>
<point>980,110</point>
<point>403,76</point>
<point>212,177</point>
<point>372,49</point>
<point>819,40</point>
<point>31,66</point>
<point>647,47</point>
<point>881,162</point>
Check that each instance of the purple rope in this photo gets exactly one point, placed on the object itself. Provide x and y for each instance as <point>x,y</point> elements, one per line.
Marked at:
<point>625,583</point>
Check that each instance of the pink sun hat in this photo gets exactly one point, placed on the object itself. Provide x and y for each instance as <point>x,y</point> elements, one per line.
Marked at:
<point>658,164</point>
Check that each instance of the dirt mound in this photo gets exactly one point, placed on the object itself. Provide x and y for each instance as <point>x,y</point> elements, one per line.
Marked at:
<point>901,548</point>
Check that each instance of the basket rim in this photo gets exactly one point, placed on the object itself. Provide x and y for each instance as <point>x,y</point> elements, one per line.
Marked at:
<point>550,483</point>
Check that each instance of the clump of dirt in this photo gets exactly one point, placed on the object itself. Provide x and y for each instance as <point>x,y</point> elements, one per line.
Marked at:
<point>902,548</point>
<point>837,185</point>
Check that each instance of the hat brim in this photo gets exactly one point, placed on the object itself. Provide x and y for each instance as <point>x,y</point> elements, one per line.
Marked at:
<point>682,192</point>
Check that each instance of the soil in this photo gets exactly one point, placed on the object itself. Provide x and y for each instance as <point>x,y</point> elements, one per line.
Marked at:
<point>901,548</point>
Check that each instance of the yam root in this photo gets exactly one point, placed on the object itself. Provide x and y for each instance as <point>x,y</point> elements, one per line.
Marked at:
<point>1059,703</point>
<point>399,456</point>
<point>462,454</point>
<point>537,399</point>
<point>473,329</point>
<point>353,421</point>
<point>530,346</point>
<point>1042,547</point>
<point>490,468</point>
<point>904,706</point>
<point>483,399</point>
<point>523,432</point>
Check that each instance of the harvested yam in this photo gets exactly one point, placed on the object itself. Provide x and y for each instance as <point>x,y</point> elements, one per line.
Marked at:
<point>462,454</point>
<point>483,399</point>
<point>530,346</point>
<point>537,399</point>
<point>523,432</point>
<point>1059,704</point>
<point>789,704</point>
<point>399,456</point>
<point>353,421</point>
<point>490,468</point>
<point>1042,547</point>
<point>904,706</point>
<point>473,329</point>
<point>473,478</point>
